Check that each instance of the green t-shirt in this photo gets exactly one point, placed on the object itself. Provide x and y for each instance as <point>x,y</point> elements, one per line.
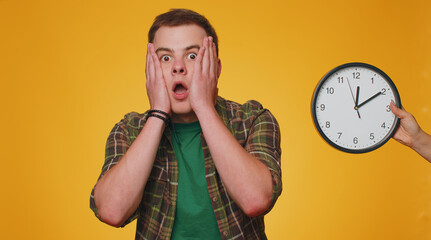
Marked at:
<point>194,216</point>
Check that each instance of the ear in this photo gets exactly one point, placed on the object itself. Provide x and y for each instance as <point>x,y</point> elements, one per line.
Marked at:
<point>218,68</point>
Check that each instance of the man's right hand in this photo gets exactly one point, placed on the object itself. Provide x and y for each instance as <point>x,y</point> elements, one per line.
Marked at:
<point>156,86</point>
<point>118,193</point>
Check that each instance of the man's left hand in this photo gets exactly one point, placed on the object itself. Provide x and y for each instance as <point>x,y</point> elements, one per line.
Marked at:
<point>203,88</point>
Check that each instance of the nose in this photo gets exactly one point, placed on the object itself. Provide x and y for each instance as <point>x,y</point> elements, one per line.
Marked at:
<point>179,67</point>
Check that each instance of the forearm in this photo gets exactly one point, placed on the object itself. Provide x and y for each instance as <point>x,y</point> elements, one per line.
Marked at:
<point>118,193</point>
<point>422,145</point>
<point>248,180</point>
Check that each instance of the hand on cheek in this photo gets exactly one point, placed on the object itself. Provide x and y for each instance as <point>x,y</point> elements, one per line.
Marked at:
<point>203,87</point>
<point>156,86</point>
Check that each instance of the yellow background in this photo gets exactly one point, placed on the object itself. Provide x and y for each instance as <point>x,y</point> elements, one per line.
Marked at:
<point>70,70</point>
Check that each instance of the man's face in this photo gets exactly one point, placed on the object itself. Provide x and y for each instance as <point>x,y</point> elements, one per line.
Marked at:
<point>177,49</point>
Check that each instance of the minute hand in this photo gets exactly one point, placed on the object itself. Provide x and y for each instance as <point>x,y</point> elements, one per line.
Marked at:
<point>369,99</point>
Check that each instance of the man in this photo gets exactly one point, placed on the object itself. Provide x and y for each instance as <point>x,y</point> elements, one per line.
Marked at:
<point>195,166</point>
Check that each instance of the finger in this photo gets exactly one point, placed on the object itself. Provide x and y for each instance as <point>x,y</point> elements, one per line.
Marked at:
<point>198,62</point>
<point>211,56</point>
<point>218,69</point>
<point>215,57</point>
<point>157,68</point>
<point>400,113</point>
<point>214,62</point>
<point>206,58</point>
<point>158,73</point>
<point>151,69</point>
<point>148,60</point>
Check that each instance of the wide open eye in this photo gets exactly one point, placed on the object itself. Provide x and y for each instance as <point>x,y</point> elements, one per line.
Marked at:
<point>192,56</point>
<point>166,58</point>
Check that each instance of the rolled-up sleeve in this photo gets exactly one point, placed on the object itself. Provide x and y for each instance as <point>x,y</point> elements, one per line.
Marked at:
<point>117,144</point>
<point>263,143</point>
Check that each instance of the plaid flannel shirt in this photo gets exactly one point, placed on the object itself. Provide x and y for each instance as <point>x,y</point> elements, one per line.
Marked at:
<point>256,130</point>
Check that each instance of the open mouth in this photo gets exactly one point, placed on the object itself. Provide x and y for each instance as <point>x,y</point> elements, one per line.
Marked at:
<point>180,90</point>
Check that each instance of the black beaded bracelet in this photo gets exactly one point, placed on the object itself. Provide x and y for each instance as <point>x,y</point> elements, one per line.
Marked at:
<point>158,116</point>
<point>160,111</point>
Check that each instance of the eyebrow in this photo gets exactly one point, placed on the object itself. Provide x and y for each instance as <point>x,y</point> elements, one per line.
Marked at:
<point>192,46</point>
<point>171,50</point>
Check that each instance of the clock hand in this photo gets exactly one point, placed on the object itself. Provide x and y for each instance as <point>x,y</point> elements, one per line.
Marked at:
<point>357,93</point>
<point>359,115</point>
<point>350,88</point>
<point>369,99</point>
<point>357,100</point>
<point>357,97</point>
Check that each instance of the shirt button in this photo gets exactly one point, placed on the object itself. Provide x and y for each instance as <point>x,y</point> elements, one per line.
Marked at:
<point>214,199</point>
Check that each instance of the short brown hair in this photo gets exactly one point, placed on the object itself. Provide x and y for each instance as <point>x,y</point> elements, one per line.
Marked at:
<point>178,17</point>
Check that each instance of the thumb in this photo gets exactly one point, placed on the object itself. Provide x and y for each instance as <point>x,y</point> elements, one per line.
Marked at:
<point>400,113</point>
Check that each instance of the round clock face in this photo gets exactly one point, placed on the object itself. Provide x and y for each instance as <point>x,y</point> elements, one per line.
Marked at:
<point>351,107</point>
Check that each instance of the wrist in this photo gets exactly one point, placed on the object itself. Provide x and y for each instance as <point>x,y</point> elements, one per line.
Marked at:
<point>419,140</point>
<point>162,115</point>
<point>166,110</point>
<point>205,112</point>
<point>203,105</point>
<point>160,112</point>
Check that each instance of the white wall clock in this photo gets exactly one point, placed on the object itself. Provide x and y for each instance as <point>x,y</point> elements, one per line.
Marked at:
<point>350,107</point>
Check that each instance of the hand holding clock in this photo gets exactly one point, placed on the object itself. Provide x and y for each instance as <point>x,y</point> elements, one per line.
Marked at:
<point>410,134</point>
